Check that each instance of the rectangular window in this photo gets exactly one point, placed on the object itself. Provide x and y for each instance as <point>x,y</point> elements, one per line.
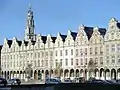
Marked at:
<point>77,62</point>
<point>56,62</point>
<point>66,52</point>
<point>81,61</point>
<point>66,62</point>
<point>42,54</point>
<point>107,49</point>
<point>118,47</point>
<point>46,53</point>
<point>101,50</point>
<point>76,52</point>
<point>61,62</point>
<point>81,52</point>
<point>85,51</point>
<point>71,61</point>
<point>51,53</point>
<point>119,60</point>
<point>55,53</point>
<point>42,63</point>
<point>71,51</point>
<point>60,52</point>
<point>113,48</point>
<point>38,63</point>
<point>96,50</point>
<point>113,59</point>
<point>38,55</point>
<point>46,62</point>
<point>96,61</point>
<point>85,61</point>
<point>101,60</point>
<point>35,64</point>
<point>90,51</point>
<point>35,55</point>
<point>107,59</point>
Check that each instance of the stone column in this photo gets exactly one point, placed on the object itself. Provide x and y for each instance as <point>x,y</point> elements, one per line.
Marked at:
<point>102,76</point>
<point>118,75</point>
<point>87,74</point>
<point>97,75</point>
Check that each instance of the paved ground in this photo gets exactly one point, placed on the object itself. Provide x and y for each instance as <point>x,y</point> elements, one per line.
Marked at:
<point>33,82</point>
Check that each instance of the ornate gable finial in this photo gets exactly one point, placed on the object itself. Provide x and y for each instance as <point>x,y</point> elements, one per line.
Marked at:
<point>58,34</point>
<point>81,27</point>
<point>112,23</point>
<point>95,28</point>
<point>69,31</point>
<point>112,20</point>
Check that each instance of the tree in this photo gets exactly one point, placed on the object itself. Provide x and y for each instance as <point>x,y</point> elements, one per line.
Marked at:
<point>28,71</point>
<point>91,67</point>
<point>58,69</point>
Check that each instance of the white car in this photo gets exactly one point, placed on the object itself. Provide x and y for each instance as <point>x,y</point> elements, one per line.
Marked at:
<point>52,81</point>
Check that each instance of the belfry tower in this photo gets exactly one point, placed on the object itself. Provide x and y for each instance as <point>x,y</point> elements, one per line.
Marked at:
<point>30,27</point>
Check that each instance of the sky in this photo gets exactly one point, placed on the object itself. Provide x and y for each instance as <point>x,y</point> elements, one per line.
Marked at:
<point>53,16</point>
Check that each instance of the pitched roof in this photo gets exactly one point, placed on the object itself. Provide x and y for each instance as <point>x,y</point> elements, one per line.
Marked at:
<point>1,47</point>
<point>118,25</point>
<point>74,34</point>
<point>33,42</point>
<point>63,37</point>
<point>44,38</point>
<point>89,31</point>
<point>102,31</point>
<point>19,43</point>
<point>9,42</point>
<point>26,43</point>
<point>53,38</point>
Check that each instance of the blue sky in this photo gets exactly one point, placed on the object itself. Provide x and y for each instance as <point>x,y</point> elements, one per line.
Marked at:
<point>53,16</point>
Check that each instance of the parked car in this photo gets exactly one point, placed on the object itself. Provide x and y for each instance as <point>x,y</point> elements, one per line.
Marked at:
<point>97,81</point>
<point>112,81</point>
<point>118,81</point>
<point>3,81</point>
<point>52,81</point>
<point>14,81</point>
<point>79,80</point>
<point>67,81</point>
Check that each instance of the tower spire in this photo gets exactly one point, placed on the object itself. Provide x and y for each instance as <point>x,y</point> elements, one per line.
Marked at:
<point>30,6</point>
<point>29,31</point>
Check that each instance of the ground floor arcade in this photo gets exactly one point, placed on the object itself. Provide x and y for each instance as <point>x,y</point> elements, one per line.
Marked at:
<point>66,73</point>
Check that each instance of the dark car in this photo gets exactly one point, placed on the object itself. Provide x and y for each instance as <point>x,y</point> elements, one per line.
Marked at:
<point>52,81</point>
<point>67,81</point>
<point>97,81</point>
<point>79,80</point>
<point>14,82</point>
<point>3,81</point>
<point>112,81</point>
